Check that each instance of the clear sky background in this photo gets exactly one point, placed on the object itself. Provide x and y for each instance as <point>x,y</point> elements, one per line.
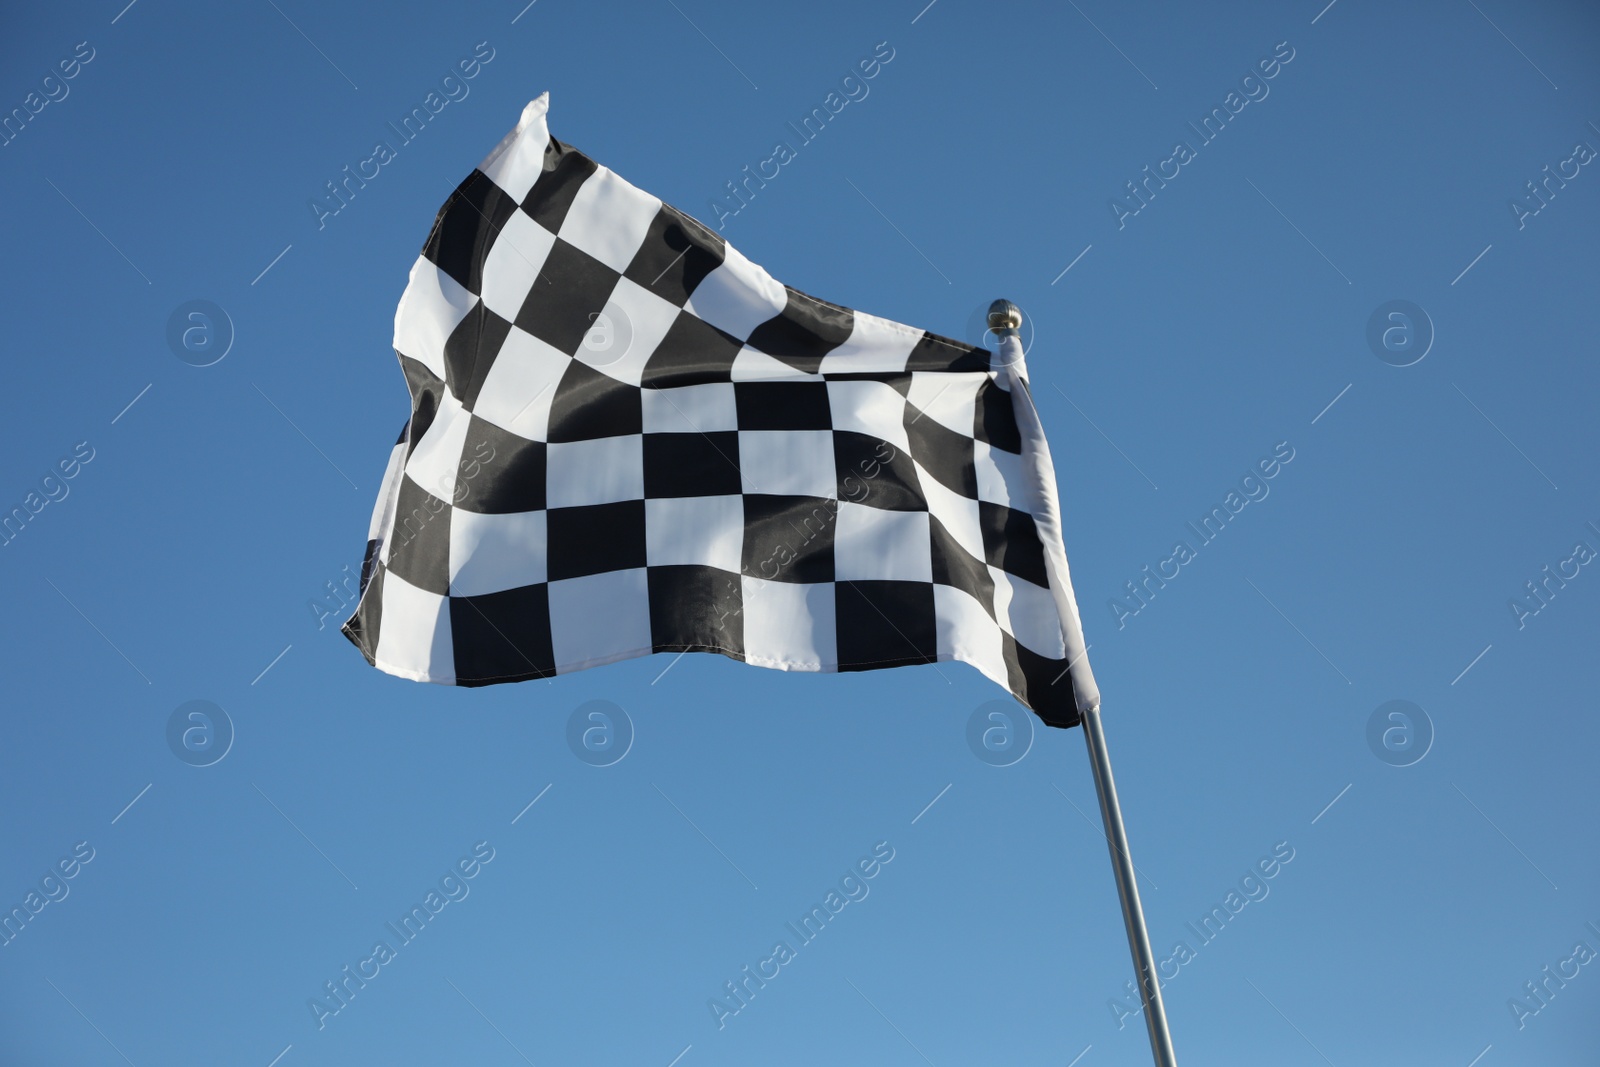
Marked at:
<point>1185,343</point>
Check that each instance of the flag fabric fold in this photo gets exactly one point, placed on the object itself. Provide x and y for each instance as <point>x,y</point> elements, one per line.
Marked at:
<point>627,438</point>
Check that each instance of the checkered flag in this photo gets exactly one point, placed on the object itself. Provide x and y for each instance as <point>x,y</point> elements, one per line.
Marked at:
<point>627,438</point>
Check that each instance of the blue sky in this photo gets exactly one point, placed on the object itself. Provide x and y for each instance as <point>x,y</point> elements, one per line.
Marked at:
<point>1438,861</point>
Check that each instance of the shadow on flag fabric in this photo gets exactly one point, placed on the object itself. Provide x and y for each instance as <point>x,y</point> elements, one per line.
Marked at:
<point>627,438</point>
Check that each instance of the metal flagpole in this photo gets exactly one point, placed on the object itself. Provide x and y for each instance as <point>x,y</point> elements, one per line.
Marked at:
<point>1005,320</point>
<point>1144,962</point>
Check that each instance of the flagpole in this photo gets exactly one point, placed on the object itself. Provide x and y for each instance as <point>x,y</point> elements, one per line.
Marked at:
<point>1005,321</point>
<point>1144,963</point>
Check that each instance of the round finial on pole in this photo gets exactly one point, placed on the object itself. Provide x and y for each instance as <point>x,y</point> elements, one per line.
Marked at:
<point>1004,317</point>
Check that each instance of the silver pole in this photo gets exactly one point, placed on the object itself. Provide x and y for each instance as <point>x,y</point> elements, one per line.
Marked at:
<point>1144,961</point>
<point>1005,320</point>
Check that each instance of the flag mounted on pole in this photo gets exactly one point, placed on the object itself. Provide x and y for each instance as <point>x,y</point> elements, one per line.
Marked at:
<point>627,438</point>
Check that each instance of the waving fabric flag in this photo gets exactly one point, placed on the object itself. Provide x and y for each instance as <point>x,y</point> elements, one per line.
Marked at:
<point>627,438</point>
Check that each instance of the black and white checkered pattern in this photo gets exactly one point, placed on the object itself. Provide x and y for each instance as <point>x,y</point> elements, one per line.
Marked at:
<point>627,438</point>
